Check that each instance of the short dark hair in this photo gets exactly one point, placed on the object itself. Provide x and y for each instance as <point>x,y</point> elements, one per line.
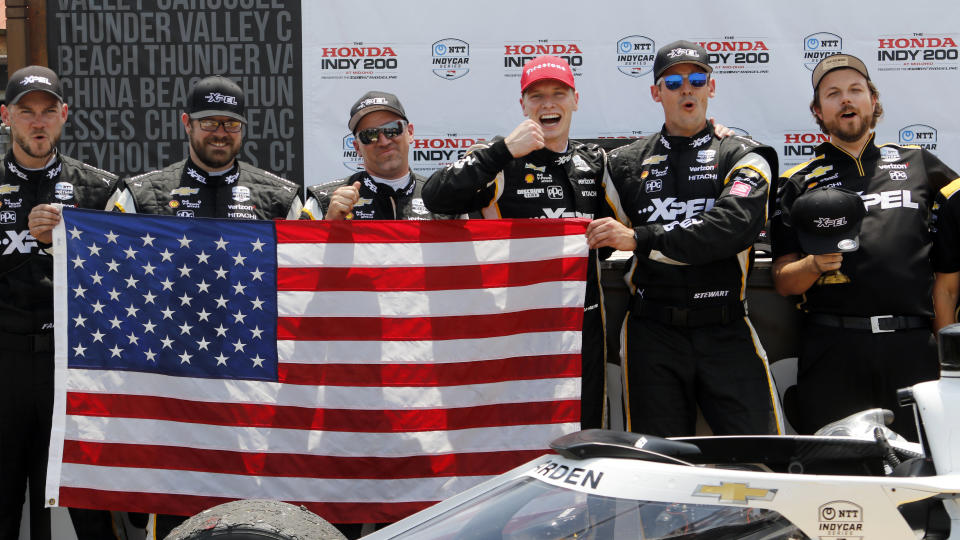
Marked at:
<point>877,109</point>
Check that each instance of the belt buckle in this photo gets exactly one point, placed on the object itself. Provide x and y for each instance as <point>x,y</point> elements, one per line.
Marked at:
<point>875,324</point>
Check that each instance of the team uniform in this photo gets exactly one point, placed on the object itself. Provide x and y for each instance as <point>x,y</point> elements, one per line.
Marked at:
<point>183,189</point>
<point>867,330</point>
<point>542,184</point>
<point>696,205</point>
<point>26,327</point>
<point>378,200</point>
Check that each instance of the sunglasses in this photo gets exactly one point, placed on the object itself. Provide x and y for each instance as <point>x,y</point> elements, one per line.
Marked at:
<point>388,130</point>
<point>230,126</point>
<point>697,80</point>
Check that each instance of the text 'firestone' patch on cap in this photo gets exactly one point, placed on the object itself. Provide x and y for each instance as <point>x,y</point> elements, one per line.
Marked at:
<point>546,67</point>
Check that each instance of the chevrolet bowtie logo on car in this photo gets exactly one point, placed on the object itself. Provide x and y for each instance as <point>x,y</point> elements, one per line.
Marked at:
<point>734,492</point>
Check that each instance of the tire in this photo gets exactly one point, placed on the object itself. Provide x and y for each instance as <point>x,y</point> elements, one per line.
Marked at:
<point>256,520</point>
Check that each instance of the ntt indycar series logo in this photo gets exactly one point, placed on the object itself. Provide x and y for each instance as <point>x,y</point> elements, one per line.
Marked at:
<point>635,55</point>
<point>801,146</point>
<point>432,152</point>
<point>351,158</point>
<point>450,58</point>
<point>917,52</point>
<point>358,61</point>
<point>518,53</point>
<point>747,56</point>
<point>818,46</point>
<point>920,135</point>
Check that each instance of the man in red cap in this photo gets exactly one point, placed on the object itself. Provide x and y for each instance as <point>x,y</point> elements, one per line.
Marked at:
<point>538,172</point>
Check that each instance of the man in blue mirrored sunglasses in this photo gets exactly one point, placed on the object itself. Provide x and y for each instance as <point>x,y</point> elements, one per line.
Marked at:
<point>690,205</point>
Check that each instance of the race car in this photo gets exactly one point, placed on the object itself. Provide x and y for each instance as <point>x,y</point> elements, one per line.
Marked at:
<point>855,479</point>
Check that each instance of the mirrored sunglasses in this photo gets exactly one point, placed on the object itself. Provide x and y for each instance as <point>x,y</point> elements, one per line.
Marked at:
<point>697,80</point>
<point>388,130</point>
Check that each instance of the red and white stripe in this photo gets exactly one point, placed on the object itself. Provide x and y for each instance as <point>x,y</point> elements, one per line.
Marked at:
<point>417,359</point>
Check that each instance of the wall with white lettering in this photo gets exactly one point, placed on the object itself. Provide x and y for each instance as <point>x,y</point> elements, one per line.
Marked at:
<point>127,65</point>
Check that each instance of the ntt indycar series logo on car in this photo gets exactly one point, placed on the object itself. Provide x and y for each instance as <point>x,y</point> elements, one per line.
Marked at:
<point>358,61</point>
<point>818,46</point>
<point>432,152</point>
<point>518,53</point>
<point>729,54</point>
<point>635,55</point>
<point>450,58</point>
<point>801,146</point>
<point>920,135</point>
<point>917,52</point>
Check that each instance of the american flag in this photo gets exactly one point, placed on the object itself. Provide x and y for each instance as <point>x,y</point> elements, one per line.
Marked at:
<point>363,369</point>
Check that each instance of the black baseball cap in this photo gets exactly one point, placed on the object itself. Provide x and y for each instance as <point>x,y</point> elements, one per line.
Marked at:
<point>837,61</point>
<point>827,220</point>
<point>215,96</point>
<point>32,78</point>
<point>679,52</point>
<point>374,101</point>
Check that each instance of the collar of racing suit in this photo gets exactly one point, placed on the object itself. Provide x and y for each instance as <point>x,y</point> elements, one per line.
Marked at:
<point>386,189</point>
<point>51,171</point>
<point>190,170</point>
<point>870,149</point>
<point>677,142</point>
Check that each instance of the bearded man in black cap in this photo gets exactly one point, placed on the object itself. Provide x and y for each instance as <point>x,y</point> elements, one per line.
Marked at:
<point>211,182</point>
<point>386,188</point>
<point>35,176</point>
<point>867,329</point>
<point>689,205</point>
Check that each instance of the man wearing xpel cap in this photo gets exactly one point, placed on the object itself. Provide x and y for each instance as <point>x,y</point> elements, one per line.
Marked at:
<point>690,205</point>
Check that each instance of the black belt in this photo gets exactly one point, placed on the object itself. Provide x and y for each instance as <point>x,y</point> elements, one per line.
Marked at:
<point>26,342</point>
<point>877,324</point>
<point>690,318</point>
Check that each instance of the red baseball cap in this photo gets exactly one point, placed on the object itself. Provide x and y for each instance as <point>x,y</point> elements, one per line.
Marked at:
<point>546,67</point>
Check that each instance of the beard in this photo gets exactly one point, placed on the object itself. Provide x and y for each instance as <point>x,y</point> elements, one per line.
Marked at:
<point>215,157</point>
<point>853,131</point>
<point>44,150</point>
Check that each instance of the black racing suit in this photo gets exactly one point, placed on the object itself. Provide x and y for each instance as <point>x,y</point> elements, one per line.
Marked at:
<point>26,328</point>
<point>542,184</point>
<point>377,200</point>
<point>183,189</point>
<point>867,329</point>
<point>696,205</point>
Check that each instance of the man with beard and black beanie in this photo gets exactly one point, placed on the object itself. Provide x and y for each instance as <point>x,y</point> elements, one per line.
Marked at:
<point>211,182</point>
<point>35,178</point>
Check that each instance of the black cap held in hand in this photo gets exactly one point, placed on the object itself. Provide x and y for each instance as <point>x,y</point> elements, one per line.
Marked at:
<point>827,220</point>
<point>215,96</point>
<point>31,79</point>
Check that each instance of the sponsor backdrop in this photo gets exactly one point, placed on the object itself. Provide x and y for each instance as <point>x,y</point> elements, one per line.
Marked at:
<point>456,68</point>
<point>127,66</point>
